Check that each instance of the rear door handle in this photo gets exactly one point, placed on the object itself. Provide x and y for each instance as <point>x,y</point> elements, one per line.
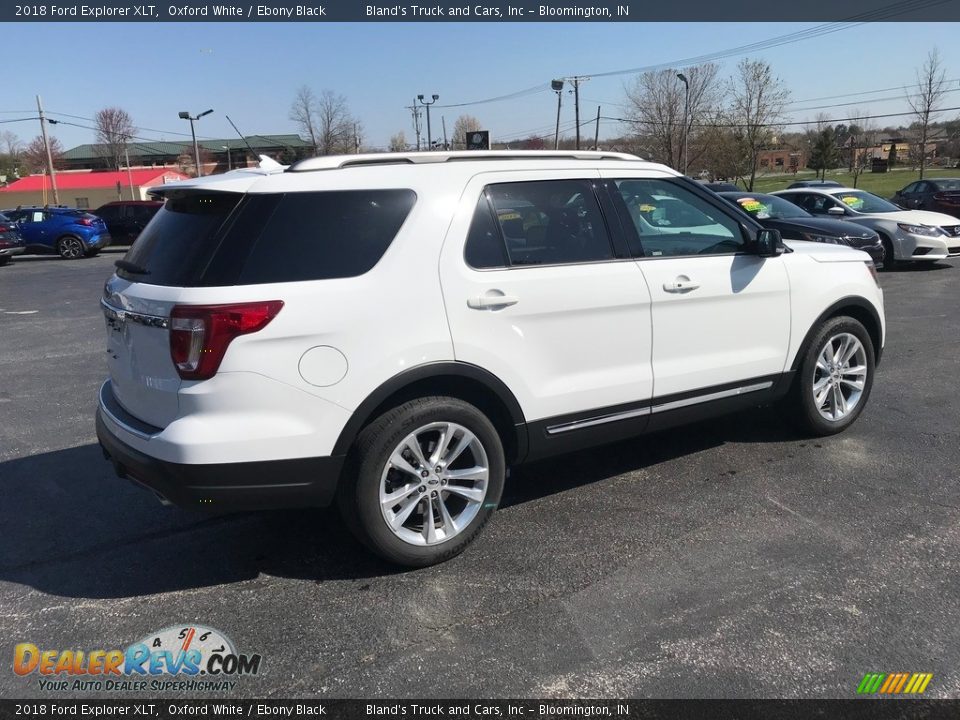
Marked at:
<point>492,300</point>
<point>680,284</point>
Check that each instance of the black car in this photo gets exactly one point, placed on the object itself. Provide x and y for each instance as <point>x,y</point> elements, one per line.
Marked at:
<point>795,223</point>
<point>814,184</point>
<point>127,218</point>
<point>940,195</point>
<point>11,242</point>
<point>721,186</point>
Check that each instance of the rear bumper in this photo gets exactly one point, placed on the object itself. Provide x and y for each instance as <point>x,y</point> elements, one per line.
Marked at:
<point>301,482</point>
<point>99,242</point>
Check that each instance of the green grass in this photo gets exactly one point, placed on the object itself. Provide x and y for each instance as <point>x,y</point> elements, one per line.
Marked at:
<point>882,184</point>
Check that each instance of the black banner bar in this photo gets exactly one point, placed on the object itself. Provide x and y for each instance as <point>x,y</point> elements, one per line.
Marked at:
<point>471,11</point>
<point>865,709</point>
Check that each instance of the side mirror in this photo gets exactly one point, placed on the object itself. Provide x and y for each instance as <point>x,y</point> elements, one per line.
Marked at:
<point>769,243</point>
<point>836,211</point>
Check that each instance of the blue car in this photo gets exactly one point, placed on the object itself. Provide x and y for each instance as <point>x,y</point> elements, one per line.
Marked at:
<point>70,233</point>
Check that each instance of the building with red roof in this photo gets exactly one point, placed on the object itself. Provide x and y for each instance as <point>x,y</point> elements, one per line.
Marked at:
<point>87,189</point>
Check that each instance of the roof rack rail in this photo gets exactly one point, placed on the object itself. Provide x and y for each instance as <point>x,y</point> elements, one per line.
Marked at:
<point>333,162</point>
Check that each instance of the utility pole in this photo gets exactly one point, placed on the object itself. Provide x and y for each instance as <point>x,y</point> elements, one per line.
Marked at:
<point>46,145</point>
<point>576,80</point>
<point>596,134</point>
<point>415,109</point>
<point>443,120</point>
<point>126,156</point>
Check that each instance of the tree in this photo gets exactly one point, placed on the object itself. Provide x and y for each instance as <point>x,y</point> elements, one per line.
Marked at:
<point>932,81</point>
<point>464,124</point>
<point>398,142</point>
<point>656,103</point>
<point>757,101</point>
<point>114,130</point>
<point>861,136</point>
<point>34,155</point>
<point>304,111</point>
<point>11,144</point>
<point>823,154</point>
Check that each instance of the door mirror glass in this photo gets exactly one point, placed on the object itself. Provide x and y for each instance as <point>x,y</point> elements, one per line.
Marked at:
<point>769,243</point>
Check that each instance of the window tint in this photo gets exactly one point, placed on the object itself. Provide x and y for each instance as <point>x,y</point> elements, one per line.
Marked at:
<point>324,235</point>
<point>484,247</point>
<point>178,245</point>
<point>108,212</point>
<point>550,222</point>
<point>670,220</point>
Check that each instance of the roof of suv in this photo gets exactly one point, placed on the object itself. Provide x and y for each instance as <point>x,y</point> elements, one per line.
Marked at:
<point>381,168</point>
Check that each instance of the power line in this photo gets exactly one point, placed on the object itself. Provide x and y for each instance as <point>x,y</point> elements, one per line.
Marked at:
<point>781,124</point>
<point>164,132</point>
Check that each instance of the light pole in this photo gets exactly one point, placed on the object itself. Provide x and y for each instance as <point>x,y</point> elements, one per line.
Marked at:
<point>184,115</point>
<point>229,163</point>
<point>428,104</point>
<point>686,109</point>
<point>557,87</point>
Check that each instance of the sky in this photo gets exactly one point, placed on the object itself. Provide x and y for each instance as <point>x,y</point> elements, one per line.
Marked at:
<point>251,71</point>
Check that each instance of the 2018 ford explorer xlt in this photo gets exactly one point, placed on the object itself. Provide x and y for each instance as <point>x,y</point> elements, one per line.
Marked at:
<point>392,332</point>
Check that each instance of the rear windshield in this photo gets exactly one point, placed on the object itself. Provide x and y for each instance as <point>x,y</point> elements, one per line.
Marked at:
<point>218,239</point>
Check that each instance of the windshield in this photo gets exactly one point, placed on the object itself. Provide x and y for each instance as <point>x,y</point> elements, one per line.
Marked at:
<point>864,202</point>
<point>768,207</point>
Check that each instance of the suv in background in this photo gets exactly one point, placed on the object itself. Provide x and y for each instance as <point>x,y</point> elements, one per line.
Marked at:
<point>11,243</point>
<point>392,332</point>
<point>70,233</point>
<point>126,219</point>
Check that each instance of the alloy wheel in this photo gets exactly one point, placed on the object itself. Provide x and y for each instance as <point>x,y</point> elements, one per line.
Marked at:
<point>839,376</point>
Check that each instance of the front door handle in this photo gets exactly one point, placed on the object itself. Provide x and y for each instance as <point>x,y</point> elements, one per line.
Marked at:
<point>680,284</point>
<point>492,300</point>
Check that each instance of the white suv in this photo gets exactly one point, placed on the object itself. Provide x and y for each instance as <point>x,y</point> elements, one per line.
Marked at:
<point>393,332</point>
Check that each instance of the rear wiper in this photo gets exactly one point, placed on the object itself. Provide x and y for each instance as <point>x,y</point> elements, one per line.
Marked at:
<point>131,267</point>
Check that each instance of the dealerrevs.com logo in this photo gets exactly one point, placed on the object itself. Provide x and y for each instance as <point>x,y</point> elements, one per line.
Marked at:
<point>182,657</point>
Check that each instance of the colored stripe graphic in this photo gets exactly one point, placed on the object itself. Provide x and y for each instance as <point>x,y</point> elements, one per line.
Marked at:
<point>894,683</point>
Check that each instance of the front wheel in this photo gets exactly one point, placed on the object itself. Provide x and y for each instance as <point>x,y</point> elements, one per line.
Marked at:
<point>69,247</point>
<point>890,261</point>
<point>423,480</point>
<point>835,378</point>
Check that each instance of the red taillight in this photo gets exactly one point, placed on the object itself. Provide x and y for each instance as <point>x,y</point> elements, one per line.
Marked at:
<point>5,228</point>
<point>200,334</point>
<point>86,221</point>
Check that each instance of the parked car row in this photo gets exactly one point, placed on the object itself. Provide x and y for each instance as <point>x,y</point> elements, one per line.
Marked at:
<point>72,233</point>
<point>919,224</point>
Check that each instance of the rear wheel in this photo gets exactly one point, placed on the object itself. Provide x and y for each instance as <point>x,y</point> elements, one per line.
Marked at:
<point>69,247</point>
<point>423,480</point>
<point>835,378</point>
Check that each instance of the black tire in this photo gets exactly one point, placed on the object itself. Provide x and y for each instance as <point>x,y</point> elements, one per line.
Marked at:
<point>70,247</point>
<point>359,493</point>
<point>800,403</point>
<point>4,260</point>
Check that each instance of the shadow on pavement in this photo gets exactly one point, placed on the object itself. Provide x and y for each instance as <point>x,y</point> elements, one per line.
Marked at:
<point>73,529</point>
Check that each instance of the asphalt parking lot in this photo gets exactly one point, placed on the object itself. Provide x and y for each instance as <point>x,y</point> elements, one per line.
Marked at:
<point>726,559</point>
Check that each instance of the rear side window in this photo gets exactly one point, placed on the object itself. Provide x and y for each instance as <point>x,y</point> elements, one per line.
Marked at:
<point>548,222</point>
<point>326,235</point>
<point>220,239</point>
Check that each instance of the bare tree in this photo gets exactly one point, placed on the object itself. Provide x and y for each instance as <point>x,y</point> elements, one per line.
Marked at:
<point>862,136</point>
<point>334,124</point>
<point>114,130</point>
<point>398,142</point>
<point>464,124</point>
<point>305,112</point>
<point>932,82</point>
<point>725,152</point>
<point>757,101</point>
<point>656,103</point>
<point>11,143</point>
<point>34,155</point>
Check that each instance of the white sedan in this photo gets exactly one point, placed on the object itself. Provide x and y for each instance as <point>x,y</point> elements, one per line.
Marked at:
<point>915,235</point>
